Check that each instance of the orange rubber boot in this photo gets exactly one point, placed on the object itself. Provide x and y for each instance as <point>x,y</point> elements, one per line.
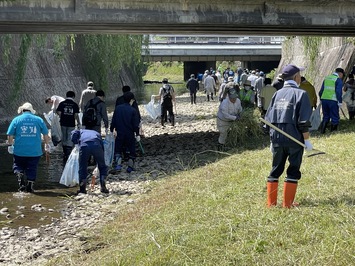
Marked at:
<point>272,193</point>
<point>289,194</point>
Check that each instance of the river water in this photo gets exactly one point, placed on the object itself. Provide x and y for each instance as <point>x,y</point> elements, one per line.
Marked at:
<point>48,192</point>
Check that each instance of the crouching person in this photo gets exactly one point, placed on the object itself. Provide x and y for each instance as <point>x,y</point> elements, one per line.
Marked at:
<point>229,110</point>
<point>90,144</point>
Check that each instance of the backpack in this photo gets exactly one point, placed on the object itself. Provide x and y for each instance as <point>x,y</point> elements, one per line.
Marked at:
<point>89,115</point>
<point>167,92</point>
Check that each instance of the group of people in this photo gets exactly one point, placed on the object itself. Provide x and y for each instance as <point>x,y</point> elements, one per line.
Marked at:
<point>25,131</point>
<point>289,112</point>
<point>287,105</point>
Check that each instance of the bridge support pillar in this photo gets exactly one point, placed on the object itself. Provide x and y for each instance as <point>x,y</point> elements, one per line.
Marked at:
<point>193,67</point>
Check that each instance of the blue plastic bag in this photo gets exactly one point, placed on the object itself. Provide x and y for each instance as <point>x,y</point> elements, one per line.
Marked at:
<point>109,148</point>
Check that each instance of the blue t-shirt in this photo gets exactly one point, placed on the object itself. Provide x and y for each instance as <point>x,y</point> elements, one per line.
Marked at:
<point>26,130</point>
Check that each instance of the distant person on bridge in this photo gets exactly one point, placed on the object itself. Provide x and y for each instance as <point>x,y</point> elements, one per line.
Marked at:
<point>87,95</point>
<point>210,85</point>
<point>331,97</point>
<point>192,86</point>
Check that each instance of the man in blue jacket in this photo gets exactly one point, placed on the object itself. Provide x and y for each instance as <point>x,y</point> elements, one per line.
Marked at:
<point>90,144</point>
<point>125,121</point>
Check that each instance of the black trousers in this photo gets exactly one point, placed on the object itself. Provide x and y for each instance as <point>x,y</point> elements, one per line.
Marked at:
<point>294,155</point>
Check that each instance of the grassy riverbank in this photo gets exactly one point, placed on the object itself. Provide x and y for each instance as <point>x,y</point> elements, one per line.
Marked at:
<point>216,215</point>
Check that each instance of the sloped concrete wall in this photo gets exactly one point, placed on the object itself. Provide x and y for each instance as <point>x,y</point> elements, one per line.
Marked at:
<point>333,52</point>
<point>46,76</point>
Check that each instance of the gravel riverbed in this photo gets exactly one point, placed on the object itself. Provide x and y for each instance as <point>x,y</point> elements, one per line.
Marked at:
<point>166,150</point>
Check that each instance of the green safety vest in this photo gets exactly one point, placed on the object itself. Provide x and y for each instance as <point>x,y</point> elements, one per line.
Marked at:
<point>329,88</point>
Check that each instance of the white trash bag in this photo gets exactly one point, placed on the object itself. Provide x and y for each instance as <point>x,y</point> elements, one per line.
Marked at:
<point>70,175</point>
<point>153,109</point>
<point>315,119</point>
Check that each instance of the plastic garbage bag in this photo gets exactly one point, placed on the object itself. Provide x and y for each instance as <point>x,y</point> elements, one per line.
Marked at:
<point>55,131</point>
<point>70,175</point>
<point>315,119</point>
<point>109,148</point>
<point>153,109</point>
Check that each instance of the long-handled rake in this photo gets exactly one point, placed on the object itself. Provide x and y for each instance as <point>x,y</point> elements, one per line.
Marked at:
<point>310,153</point>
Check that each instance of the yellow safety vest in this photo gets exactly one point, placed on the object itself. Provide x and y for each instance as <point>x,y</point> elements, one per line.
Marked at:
<point>329,88</point>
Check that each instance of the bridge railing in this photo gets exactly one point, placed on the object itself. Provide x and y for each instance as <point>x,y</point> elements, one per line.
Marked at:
<point>213,39</point>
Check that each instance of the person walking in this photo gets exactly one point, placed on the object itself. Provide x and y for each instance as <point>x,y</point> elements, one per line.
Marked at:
<point>98,103</point>
<point>87,95</point>
<point>167,97</point>
<point>331,98</point>
<point>126,123</point>
<point>311,91</point>
<point>228,111</point>
<point>68,111</point>
<point>24,138</point>
<point>209,85</point>
<point>290,111</point>
<point>90,144</point>
<point>192,86</point>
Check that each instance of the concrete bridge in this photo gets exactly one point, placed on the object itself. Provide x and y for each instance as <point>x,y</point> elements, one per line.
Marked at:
<point>265,17</point>
<point>201,52</point>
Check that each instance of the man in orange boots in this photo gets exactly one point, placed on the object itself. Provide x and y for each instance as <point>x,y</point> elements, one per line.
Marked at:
<point>290,111</point>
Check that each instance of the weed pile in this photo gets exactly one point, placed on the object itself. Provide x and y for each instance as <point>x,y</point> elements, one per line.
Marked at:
<point>245,129</point>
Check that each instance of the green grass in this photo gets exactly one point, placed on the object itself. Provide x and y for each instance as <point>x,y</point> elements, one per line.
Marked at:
<point>174,71</point>
<point>217,215</point>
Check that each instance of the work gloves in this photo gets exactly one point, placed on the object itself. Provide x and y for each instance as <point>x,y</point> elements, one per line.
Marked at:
<point>10,149</point>
<point>340,105</point>
<point>138,138</point>
<point>308,144</point>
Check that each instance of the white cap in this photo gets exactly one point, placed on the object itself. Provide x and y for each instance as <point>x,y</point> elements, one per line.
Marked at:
<point>26,106</point>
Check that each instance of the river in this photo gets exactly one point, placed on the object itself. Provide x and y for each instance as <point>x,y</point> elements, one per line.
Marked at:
<point>48,192</point>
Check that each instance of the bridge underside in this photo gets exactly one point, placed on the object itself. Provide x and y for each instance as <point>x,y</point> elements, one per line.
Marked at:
<point>283,18</point>
<point>212,58</point>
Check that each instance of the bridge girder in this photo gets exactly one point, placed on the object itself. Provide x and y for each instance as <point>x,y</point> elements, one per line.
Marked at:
<point>283,18</point>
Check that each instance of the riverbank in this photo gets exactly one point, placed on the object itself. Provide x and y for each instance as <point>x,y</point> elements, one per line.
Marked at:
<point>166,150</point>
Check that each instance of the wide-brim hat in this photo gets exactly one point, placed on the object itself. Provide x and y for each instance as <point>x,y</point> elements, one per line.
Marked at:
<point>26,107</point>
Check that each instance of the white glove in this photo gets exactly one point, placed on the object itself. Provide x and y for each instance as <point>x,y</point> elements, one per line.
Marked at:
<point>340,105</point>
<point>47,147</point>
<point>10,149</point>
<point>308,144</point>
<point>138,138</point>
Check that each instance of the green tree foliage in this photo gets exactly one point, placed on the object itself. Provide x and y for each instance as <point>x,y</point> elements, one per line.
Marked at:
<point>108,54</point>
<point>103,55</point>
